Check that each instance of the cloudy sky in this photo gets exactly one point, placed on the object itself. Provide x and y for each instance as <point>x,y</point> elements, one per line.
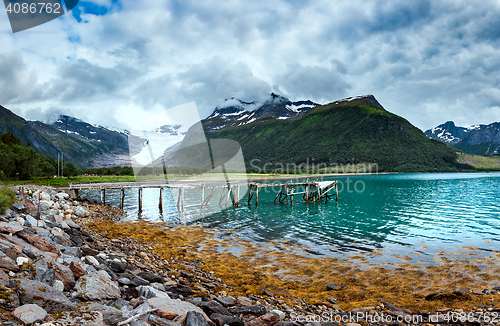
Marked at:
<point>114,62</point>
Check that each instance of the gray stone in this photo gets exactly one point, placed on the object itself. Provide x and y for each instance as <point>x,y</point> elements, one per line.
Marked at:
<point>279,314</point>
<point>257,310</point>
<point>80,318</point>
<point>124,281</point>
<point>7,263</point>
<point>43,232</point>
<point>213,307</point>
<point>33,221</point>
<point>221,320</point>
<point>5,245</point>
<point>136,281</point>
<point>149,292</point>
<point>97,287</point>
<point>44,295</point>
<point>158,321</point>
<point>179,307</point>
<point>72,224</point>
<point>21,260</point>
<point>244,301</point>
<point>58,285</point>
<point>19,208</point>
<point>79,211</point>
<point>195,318</point>
<point>10,227</point>
<point>91,260</point>
<point>72,251</point>
<point>111,315</point>
<point>158,286</point>
<point>57,232</point>
<point>62,196</point>
<point>226,301</point>
<point>30,313</point>
<point>140,323</point>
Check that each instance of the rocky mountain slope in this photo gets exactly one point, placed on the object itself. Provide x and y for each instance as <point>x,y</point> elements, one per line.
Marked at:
<point>82,144</point>
<point>351,130</point>
<point>478,139</point>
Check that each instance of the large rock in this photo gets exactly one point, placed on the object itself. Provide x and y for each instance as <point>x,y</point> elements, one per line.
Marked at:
<point>176,306</point>
<point>111,315</point>
<point>5,245</point>
<point>7,263</point>
<point>30,313</point>
<point>65,275</point>
<point>77,269</point>
<point>39,243</point>
<point>195,318</point>
<point>221,320</point>
<point>4,278</point>
<point>19,208</point>
<point>78,318</point>
<point>81,212</point>
<point>149,292</point>
<point>264,320</point>
<point>43,295</point>
<point>10,227</point>
<point>62,196</point>
<point>257,310</point>
<point>97,286</point>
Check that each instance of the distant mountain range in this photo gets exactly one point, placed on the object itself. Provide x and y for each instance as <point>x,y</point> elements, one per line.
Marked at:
<point>478,139</point>
<point>352,130</point>
<point>82,144</point>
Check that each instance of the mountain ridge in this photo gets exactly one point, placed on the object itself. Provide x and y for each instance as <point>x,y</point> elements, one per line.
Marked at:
<point>477,139</point>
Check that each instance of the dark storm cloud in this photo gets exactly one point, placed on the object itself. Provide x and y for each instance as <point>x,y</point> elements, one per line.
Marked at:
<point>206,83</point>
<point>428,61</point>
<point>315,83</point>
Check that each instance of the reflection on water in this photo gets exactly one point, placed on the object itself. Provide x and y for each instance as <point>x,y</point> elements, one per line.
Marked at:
<point>399,213</point>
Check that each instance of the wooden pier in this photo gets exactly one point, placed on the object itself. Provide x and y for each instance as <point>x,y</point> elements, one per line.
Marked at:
<point>311,191</point>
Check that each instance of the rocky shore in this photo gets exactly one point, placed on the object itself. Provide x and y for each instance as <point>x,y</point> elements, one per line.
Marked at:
<point>55,270</point>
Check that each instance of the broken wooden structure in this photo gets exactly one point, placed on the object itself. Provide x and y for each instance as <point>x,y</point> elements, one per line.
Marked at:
<point>311,191</point>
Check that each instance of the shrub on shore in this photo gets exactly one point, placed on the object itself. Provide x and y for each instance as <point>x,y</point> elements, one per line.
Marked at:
<point>7,198</point>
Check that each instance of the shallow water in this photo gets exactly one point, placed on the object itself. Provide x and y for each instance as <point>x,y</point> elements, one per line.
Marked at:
<point>401,214</point>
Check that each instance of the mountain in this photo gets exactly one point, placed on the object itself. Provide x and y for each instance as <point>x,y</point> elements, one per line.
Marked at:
<point>81,143</point>
<point>352,130</point>
<point>478,139</point>
<point>450,134</point>
<point>236,113</point>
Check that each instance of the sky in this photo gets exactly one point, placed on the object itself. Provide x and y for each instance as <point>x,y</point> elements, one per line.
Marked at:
<point>113,62</point>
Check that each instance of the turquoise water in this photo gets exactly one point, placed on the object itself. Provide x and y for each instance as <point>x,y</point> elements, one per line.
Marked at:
<point>400,213</point>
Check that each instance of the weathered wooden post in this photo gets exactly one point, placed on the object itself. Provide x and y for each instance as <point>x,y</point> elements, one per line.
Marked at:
<point>257,195</point>
<point>160,203</point>
<point>103,196</point>
<point>202,196</point>
<point>140,199</point>
<point>122,197</point>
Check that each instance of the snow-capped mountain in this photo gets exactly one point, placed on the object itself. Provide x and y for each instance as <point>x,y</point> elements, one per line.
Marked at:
<point>235,112</point>
<point>478,139</point>
<point>449,133</point>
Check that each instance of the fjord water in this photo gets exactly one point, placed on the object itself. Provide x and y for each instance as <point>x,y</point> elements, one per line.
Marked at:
<point>400,213</point>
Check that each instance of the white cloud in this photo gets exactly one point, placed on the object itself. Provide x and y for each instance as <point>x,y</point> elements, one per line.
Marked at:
<point>437,58</point>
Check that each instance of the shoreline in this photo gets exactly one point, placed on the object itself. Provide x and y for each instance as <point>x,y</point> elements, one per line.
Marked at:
<point>188,260</point>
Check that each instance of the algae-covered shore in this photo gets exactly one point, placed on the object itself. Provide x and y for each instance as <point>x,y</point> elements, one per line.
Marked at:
<point>233,281</point>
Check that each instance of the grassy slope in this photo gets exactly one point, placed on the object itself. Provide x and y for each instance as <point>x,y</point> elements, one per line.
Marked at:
<point>342,134</point>
<point>480,162</point>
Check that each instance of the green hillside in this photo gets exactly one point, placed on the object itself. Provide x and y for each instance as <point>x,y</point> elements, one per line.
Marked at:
<point>341,134</point>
